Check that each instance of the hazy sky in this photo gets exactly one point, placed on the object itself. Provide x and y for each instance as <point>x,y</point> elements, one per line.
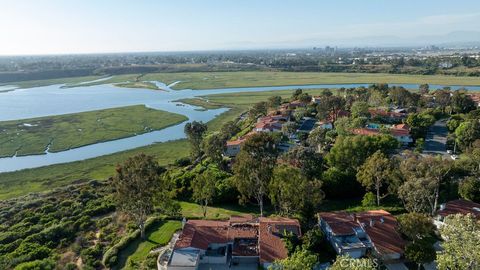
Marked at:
<point>86,26</point>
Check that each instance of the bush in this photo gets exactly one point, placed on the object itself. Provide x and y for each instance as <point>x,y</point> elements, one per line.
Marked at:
<point>369,199</point>
<point>47,264</point>
<point>110,258</point>
<point>469,189</point>
<point>182,162</point>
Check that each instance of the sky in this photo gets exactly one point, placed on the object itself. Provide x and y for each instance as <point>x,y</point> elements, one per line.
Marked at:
<point>99,26</point>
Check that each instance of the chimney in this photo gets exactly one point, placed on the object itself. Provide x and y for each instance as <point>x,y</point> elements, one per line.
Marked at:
<point>184,221</point>
<point>442,206</point>
<point>269,228</point>
<point>372,222</point>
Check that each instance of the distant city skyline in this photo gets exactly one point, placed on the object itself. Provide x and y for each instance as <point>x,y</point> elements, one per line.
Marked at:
<point>88,26</point>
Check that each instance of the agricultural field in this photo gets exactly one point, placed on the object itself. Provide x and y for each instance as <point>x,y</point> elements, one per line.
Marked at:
<point>63,132</point>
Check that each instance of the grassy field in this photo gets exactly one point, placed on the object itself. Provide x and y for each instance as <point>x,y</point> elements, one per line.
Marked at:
<point>199,102</point>
<point>46,178</point>
<point>38,83</point>
<point>248,98</point>
<point>137,251</point>
<point>209,80</point>
<point>194,211</point>
<point>62,132</point>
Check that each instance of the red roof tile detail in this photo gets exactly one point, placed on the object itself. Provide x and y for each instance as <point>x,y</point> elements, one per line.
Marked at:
<point>460,207</point>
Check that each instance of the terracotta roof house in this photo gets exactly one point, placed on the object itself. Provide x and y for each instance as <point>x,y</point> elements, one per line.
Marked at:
<point>395,115</point>
<point>241,240</point>
<point>356,234</point>
<point>459,206</point>
<point>270,124</point>
<point>400,132</point>
<point>233,146</point>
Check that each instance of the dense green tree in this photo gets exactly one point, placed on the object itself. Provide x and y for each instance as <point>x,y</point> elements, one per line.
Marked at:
<point>443,99</point>
<point>461,248</point>
<point>469,189</point>
<point>424,88</point>
<point>299,260</point>
<point>254,167</point>
<point>307,160</point>
<point>423,178</point>
<point>376,172</point>
<point>313,240</point>
<point>420,252</point>
<point>203,187</point>
<point>330,107</point>
<point>195,132</point>
<point>214,147</point>
<point>344,262</point>
<point>360,109</point>
<point>419,123</point>
<point>461,102</point>
<point>287,183</point>
<point>258,109</point>
<point>305,98</point>
<point>296,93</point>
<point>138,187</point>
<point>350,152</point>
<point>229,129</point>
<point>416,226</point>
<point>400,96</point>
<point>318,139</point>
<point>466,133</point>
<point>299,113</point>
<point>274,101</point>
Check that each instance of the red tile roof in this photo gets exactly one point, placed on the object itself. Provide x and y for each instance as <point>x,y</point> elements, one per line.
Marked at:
<point>383,234</point>
<point>268,231</point>
<point>460,207</point>
<point>271,244</point>
<point>341,223</point>
<point>365,131</point>
<point>402,126</point>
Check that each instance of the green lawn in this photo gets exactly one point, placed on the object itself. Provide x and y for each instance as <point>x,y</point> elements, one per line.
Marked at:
<point>194,211</point>
<point>138,250</point>
<point>62,132</point>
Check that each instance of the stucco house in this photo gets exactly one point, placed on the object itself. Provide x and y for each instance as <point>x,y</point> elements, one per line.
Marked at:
<point>355,234</point>
<point>242,240</point>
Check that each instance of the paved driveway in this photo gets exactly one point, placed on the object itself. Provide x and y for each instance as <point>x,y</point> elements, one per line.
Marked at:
<point>436,140</point>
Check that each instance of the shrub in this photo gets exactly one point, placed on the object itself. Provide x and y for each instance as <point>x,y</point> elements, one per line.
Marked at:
<point>469,189</point>
<point>47,264</point>
<point>369,199</point>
